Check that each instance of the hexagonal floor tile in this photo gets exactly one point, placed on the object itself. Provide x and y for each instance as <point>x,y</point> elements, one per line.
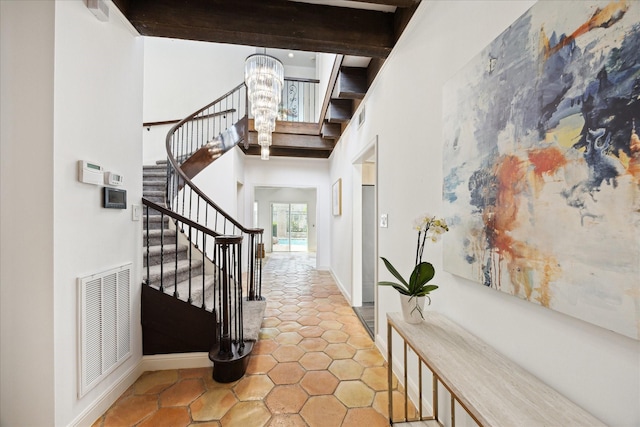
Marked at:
<point>251,413</point>
<point>346,369</point>
<point>253,387</point>
<point>289,326</point>
<point>323,411</point>
<point>315,361</point>
<point>212,405</point>
<point>307,320</point>
<point>333,336</point>
<point>354,394</point>
<point>319,382</point>
<point>376,378</point>
<point>270,322</point>
<point>330,324</point>
<point>268,333</point>
<point>313,344</point>
<point>288,353</point>
<point>286,399</point>
<point>360,341</point>
<point>264,347</point>
<point>287,420</point>
<point>182,393</point>
<point>155,381</point>
<point>369,357</point>
<point>340,351</point>
<point>261,364</point>
<point>131,410</point>
<point>365,417</point>
<point>290,307</point>
<point>168,417</point>
<point>286,373</point>
<point>311,331</point>
<point>292,338</point>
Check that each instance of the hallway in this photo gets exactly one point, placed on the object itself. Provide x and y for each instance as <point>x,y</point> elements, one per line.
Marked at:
<point>314,365</point>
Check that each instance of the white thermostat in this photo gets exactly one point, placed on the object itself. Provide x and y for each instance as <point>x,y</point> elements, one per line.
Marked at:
<point>112,178</point>
<point>90,173</point>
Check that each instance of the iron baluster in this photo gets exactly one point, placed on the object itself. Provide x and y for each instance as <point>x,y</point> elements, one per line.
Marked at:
<point>161,252</point>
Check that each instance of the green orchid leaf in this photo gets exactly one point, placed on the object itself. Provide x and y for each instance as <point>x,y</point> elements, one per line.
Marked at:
<point>426,290</point>
<point>395,273</point>
<point>398,287</point>
<point>421,275</point>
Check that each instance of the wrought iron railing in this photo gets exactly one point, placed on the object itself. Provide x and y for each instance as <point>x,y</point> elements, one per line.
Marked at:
<point>300,101</point>
<point>173,269</point>
<point>192,144</point>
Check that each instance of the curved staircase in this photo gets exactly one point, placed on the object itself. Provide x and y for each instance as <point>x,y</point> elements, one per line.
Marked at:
<point>196,296</point>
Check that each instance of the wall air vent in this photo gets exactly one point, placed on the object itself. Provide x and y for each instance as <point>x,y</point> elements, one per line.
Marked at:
<point>361,117</point>
<point>104,323</point>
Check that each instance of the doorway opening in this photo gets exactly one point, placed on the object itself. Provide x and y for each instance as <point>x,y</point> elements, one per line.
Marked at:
<point>289,227</point>
<point>365,239</point>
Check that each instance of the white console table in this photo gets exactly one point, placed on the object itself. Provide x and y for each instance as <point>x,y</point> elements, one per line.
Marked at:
<point>493,390</point>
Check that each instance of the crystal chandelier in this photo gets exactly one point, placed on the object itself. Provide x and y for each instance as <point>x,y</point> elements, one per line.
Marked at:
<point>264,77</point>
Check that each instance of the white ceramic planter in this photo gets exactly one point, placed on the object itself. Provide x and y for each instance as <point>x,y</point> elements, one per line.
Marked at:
<point>409,311</point>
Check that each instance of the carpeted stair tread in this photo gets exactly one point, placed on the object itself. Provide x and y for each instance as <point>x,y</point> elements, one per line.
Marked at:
<point>170,268</point>
<point>155,174</point>
<point>168,249</point>
<point>157,166</point>
<point>167,232</point>
<point>196,290</point>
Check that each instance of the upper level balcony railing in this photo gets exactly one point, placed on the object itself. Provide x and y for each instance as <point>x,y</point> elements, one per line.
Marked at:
<point>300,101</point>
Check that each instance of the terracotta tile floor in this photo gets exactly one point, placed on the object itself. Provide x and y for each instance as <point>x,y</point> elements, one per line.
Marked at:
<point>314,365</point>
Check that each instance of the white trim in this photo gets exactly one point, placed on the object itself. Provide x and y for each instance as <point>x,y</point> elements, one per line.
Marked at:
<point>159,362</point>
<point>100,405</point>
<point>341,287</point>
<point>162,362</point>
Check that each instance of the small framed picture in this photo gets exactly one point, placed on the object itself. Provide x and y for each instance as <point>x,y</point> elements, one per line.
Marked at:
<point>336,197</point>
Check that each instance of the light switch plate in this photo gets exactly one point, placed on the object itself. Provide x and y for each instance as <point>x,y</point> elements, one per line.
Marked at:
<point>135,212</point>
<point>383,221</point>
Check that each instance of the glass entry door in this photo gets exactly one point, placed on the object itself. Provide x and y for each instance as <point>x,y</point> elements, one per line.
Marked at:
<point>289,229</point>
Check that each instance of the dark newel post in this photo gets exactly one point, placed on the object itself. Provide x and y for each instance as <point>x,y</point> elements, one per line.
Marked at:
<point>225,335</point>
<point>230,354</point>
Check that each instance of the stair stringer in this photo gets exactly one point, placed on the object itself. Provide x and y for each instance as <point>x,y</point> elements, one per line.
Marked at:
<point>163,318</point>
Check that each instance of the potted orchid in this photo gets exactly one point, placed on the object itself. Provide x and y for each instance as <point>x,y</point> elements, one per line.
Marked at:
<point>414,291</point>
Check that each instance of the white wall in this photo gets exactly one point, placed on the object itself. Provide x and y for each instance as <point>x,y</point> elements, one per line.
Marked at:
<point>219,181</point>
<point>97,117</point>
<point>80,82</point>
<point>182,76</point>
<point>597,369</point>
<point>296,173</point>
<point>27,31</point>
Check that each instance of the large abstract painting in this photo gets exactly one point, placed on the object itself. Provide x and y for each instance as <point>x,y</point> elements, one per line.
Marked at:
<point>542,162</point>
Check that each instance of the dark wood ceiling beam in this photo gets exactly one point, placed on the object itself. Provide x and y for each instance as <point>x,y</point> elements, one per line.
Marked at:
<point>275,23</point>
<point>254,150</point>
<point>302,142</point>
<point>397,3</point>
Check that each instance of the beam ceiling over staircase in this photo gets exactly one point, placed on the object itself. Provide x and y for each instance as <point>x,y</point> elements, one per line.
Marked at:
<point>275,23</point>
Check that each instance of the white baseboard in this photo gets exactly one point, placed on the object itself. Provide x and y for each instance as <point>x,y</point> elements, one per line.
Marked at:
<point>158,362</point>
<point>106,399</point>
<point>341,288</point>
<point>162,362</point>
